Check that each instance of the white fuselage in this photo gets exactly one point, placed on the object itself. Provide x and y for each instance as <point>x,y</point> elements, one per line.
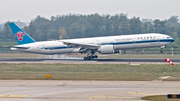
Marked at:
<point>119,42</point>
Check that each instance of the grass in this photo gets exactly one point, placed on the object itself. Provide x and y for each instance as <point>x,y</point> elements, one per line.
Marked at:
<point>87,71</point>
<point>158,98</point>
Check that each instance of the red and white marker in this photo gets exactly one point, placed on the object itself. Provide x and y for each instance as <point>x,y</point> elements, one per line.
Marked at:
<point>167,60</point>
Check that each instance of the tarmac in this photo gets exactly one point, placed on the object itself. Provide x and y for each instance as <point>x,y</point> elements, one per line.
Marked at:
<point>55,90</point>
<point>81,61</point>
<point>58,90</point>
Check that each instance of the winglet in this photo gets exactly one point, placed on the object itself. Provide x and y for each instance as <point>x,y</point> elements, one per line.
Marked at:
<point>21,36</point>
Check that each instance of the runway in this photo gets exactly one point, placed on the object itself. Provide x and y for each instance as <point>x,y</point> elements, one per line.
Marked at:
<point>55,90</point>
<point>87,61</point>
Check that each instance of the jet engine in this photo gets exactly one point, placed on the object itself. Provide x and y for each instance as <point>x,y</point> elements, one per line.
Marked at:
<point>107,49</point>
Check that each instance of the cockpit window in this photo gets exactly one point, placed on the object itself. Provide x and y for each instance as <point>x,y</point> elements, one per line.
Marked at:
<point>168,37</point>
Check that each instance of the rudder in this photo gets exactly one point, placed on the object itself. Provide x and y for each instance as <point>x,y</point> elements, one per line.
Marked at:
<point>21,36</point>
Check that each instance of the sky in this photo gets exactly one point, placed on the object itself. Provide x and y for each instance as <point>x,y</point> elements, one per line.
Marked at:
<point>27,10</point>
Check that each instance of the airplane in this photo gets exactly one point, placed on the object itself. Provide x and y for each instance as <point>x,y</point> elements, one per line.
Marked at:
<point>89,46</point>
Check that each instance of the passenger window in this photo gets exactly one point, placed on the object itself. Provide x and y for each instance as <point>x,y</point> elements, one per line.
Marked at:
<point>154,37</point>
<point>151,37</point>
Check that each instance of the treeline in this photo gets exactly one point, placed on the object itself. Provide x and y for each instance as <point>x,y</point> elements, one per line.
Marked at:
<point>94,25</point>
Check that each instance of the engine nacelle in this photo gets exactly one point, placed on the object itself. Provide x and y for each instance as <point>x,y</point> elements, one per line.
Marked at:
<point>106,49</point>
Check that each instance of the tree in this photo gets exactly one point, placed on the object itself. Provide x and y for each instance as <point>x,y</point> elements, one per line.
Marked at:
<point>135,25</point>
<point>6,32</point>
<point>173,21</point>
<point>160,26</point>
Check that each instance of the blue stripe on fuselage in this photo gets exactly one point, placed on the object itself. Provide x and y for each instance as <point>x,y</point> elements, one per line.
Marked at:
<point>116,43</point>
<point>138,42</point>
<point>54,48</point>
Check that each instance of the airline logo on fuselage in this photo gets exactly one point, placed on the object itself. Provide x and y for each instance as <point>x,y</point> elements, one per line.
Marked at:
<point>20,35</point>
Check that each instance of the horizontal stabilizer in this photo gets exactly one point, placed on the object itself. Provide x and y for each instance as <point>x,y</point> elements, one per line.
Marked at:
<point>21,47</point>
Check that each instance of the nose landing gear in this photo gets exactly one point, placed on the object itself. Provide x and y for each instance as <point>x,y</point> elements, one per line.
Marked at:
<point>161,51</point>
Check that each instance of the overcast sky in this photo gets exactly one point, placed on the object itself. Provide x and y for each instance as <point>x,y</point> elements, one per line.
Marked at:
<point>26,10</point>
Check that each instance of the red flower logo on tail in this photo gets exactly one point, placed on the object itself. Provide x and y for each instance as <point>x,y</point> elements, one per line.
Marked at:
<point>20,35</point>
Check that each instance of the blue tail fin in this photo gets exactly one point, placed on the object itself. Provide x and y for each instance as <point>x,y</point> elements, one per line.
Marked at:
<point>21,36</point>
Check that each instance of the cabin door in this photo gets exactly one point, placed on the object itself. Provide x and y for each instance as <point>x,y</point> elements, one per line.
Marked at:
<point>134,42</point>
<point>158,39</point>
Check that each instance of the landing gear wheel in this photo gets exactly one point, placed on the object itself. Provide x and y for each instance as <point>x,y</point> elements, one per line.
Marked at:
<point>89,58</point>
<point>95,56</point>
<point>92,57</point>
<point>85,58</point>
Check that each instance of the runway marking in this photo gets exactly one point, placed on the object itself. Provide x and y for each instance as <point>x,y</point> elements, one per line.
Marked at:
<point>139,93</point>
<point>106,96</point>
<point>12,96</point>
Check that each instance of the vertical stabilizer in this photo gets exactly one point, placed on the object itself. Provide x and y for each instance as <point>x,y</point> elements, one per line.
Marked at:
<point>21,36</point>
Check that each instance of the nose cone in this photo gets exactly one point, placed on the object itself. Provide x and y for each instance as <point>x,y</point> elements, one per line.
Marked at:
<point>173,40</point>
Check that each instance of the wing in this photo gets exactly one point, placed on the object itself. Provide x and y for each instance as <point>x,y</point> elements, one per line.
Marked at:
<point>81,45</point>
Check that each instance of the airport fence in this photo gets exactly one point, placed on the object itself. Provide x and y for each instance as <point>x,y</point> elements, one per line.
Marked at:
<point>151,52</point>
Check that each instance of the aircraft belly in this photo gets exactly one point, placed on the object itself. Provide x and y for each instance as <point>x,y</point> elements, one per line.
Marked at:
<point>138,45</point>
<point>59,51</point>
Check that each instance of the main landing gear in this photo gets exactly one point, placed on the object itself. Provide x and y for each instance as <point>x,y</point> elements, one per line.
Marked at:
<point>90,57</point>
